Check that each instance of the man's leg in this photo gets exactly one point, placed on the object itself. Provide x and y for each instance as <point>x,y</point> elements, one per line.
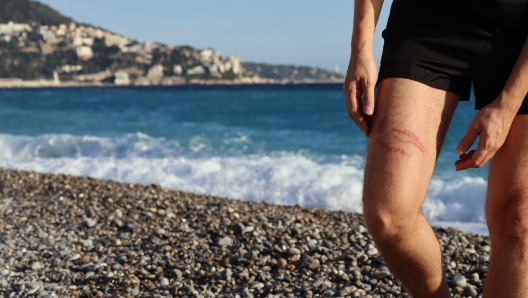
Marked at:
<point>507,215</point>
<point>409,128</point>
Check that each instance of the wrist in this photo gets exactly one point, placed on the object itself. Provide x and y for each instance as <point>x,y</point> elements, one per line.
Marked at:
<point>510,100</point>
<point>360,46</point>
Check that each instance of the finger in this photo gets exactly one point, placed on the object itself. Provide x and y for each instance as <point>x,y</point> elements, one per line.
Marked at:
<point>486,158</point>
<point>465,161</point>
<point>368,97</point>
<point>485,146</point>
<point>354,108</point>
<point>469,138</point>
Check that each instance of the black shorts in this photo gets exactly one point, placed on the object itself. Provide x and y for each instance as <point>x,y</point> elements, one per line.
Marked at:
<point>453,65</point>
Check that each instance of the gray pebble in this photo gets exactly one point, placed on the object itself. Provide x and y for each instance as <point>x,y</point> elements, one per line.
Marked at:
<point>164,282</point>
<point>90,223</point>
<point>294,251</point>
<point>226,241</point>
<point>459,281</point>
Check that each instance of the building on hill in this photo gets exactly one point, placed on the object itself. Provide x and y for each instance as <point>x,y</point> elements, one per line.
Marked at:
<point>84,53</point>
<point>155,71</point>
<point>177,70</point>
<point>14,28</point>
<point>197,70</point>
<point>121,78</point>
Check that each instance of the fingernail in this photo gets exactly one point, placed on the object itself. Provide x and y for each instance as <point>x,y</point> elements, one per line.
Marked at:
<point>459,151</point>
<point>368,110</point>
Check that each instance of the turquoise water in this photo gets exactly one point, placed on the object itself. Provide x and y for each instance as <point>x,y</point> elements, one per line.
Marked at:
<point>283,144</point>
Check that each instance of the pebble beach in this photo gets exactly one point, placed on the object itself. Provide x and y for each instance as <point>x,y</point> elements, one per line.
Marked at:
<point>66,236</point>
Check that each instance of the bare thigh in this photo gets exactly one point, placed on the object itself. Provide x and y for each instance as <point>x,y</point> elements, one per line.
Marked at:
<point>409,126</point>
<point>508,181</point>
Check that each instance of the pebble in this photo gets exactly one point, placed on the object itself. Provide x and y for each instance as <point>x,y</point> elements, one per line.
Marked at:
<point>36,266</point>
<point>226,241</point>
<point>91,246</point>
<point>459,281</point>
<point>294,251</point>
<point>164,282</point>
<point>469,291</point>
<point>90,223</point>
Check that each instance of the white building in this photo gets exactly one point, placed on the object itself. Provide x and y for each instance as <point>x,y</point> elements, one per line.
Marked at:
<point>121,78</point>
<point>206,56</point>
<point>177,69</point>
<point>11,28</point>
<point>197,70</point>
<point>83,41</point>
<point>233,63</point>
<point>84,52</point>
<point>155,71</point>
<point>134,48</point>
<point>115,40</point>
<point>71,68</point>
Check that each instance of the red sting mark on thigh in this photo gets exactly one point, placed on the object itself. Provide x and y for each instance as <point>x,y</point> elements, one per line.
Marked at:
<point>406,136</point>
<point>392,148</point>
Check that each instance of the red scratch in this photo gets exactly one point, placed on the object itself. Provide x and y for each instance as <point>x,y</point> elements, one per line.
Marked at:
<point>392,148</point>
<point>415,144</point>
<point>414,140</point>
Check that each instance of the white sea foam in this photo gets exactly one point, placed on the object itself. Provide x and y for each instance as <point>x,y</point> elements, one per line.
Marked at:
<point>284,178</point>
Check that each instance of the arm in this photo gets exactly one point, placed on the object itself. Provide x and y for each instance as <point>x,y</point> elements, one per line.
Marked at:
<point>493,122</point>
<point>362,72</point>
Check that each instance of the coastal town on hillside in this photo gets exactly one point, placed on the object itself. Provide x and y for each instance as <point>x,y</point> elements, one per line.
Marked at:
<point>78,54</point>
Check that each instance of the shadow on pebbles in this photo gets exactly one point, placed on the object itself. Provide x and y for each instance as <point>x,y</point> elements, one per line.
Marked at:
<point>64,236</point>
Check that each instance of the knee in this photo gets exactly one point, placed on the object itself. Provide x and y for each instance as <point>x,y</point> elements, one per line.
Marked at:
<point>389,226</point>
<point>510,224</point>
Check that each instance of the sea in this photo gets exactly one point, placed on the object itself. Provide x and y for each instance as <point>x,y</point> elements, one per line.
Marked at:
<point>282,144</point>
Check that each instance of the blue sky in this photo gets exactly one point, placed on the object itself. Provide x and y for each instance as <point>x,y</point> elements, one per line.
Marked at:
<point>302,32</point>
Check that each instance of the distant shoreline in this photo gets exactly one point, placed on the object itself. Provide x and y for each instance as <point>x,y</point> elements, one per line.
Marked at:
<point>45,84</point>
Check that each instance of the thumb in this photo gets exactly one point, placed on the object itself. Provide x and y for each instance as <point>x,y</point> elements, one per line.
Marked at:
<point>368,97</point>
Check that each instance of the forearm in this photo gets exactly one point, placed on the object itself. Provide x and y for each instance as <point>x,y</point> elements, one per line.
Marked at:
<point>366,14</point>
<point>516,87</point>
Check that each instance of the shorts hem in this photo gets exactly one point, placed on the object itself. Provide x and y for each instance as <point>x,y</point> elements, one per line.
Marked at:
<point>426,77</point>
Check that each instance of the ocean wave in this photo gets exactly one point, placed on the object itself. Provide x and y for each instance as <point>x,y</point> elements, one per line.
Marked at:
<point>282,177</point>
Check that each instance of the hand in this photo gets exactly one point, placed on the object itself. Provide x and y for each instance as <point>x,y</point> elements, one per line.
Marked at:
<point>492,123</point>
<point>359,89</point>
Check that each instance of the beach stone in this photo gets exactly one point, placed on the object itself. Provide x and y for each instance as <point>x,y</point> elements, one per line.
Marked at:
<point>88,243</point>
<point>256,286</point>
<point>237,227</point>
<point>281,263</point>
<point>312,243</point>
<point>226,241</point>
<point>164,282</point>
<point>90,223</point>
<point>4,272</point>
<point>381,274</point>
<point>314,264</point>
<point>36,266</point>
<point>459,281</point>
<point>160,232</point>
<point>348,290</point>
<point>294,251</point>
<point>248,229</point>
<point>470,291</point>
<point>134,292</point>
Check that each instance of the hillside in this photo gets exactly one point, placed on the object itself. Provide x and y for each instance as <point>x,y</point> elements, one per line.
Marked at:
<point>31,12</point>
<point>289,72</point>
<point>39,43</point>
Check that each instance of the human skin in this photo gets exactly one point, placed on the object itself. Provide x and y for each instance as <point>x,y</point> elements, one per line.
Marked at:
<point>402,152</point>
<point>405,140</point>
